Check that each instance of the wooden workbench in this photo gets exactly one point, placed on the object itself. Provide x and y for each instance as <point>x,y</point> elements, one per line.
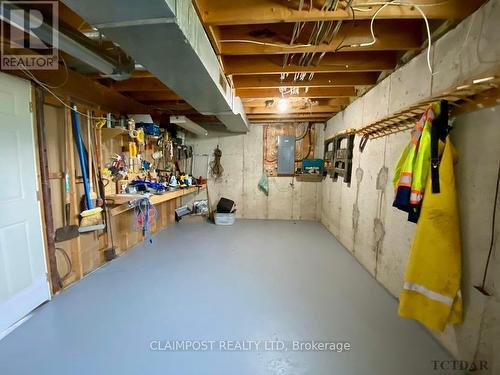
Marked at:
<point>122,202</point>
<point>122,215</point>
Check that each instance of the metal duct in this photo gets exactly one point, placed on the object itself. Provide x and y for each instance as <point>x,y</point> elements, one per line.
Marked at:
<point>71,42</point>
<point>168,39</point>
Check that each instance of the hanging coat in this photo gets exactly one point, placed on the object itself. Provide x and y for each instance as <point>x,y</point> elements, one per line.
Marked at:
<point>431,291</point>
<point>412,170</point>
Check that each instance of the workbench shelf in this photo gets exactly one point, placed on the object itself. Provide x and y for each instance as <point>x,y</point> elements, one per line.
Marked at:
<point>110,133</point>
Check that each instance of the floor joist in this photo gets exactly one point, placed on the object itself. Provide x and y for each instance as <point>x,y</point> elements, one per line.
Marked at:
<point>318,80</point>
<point>230,12</point>
<point>333,62</point>
<point>313,92</point>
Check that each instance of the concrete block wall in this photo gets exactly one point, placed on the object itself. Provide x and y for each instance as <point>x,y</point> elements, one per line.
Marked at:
<point>361,216</point>
<point>242,159</point>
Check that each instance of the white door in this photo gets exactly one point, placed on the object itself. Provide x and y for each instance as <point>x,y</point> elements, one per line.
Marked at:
<point>23,281</point>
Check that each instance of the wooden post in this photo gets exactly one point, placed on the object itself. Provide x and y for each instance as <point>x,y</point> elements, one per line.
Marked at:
<point>45,184</point>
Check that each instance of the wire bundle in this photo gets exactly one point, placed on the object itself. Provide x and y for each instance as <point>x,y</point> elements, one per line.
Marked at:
<point>145,214</point>
<point>216,168</point>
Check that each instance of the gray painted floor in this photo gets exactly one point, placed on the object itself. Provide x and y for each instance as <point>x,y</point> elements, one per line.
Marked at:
<point>256,280</point>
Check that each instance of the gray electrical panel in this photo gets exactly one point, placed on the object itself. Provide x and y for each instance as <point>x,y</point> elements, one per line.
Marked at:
<point>286,154</point>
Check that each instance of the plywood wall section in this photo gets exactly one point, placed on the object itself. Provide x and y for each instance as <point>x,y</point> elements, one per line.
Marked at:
<point>87,251</point>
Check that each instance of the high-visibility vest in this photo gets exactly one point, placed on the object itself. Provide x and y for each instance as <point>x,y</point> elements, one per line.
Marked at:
<point>412,170</point>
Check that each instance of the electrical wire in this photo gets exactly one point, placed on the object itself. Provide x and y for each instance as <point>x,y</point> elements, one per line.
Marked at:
<point>49,90</point>
<point>493,224</point>
<point>353,22</point>
<point>303,135</point>
<point>216,168</point>
<point>281,45</point>
<point>52,87</point>
<point>145,213</point>
<point>68,261</point>
<point>399,3</point>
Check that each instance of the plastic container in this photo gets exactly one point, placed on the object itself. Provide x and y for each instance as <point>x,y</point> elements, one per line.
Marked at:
<point>224,219</point>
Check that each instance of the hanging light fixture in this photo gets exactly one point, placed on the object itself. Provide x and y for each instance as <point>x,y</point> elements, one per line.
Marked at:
<point>283,105</point>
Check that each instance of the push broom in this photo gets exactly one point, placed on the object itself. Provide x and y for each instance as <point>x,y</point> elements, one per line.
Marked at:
<point>91,217</point>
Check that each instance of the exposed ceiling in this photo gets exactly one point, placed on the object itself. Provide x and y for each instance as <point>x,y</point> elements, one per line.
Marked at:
<point>318,54</point>
<point>310,50</point>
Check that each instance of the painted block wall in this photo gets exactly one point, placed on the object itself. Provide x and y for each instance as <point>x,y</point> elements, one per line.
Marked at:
<point>362,217</point>
<point>242,159</point>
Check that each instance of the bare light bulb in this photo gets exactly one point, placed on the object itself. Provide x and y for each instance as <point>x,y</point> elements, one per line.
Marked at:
<point>283,105</point>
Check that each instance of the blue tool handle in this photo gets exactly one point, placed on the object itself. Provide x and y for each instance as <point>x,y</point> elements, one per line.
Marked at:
<point>79,146</point>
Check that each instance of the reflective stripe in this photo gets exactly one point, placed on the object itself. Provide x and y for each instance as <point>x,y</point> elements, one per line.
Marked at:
<point>405,179</point>
<point>428,293</point>
<point>416,197</point>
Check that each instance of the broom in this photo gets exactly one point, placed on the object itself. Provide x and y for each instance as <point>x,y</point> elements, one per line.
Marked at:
<point>91,217</point>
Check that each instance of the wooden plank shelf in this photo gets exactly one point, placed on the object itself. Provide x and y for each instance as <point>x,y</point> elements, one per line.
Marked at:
<point>110,133</point>
<point>305,177</point>
<point>122,202</point>
<point>470,96</point>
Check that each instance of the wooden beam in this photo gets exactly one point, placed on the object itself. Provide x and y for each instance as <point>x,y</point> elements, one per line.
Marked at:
<point>134,74</point>
<point>298,102</point>
<point>287,120</point>
<point>71,19</point>
<point>171,106</point>
<point>393,35</point>
<point>85,90</point>
<point>319,80</point>
<point>211,31</point>
<point>241,12</point>
<point>297,116</point>
<point>139,84</point>
<point>154,95</point>
<point>313,92</point>
<point>332,62</point>
<point>203,119</point>
<point>300,111</point>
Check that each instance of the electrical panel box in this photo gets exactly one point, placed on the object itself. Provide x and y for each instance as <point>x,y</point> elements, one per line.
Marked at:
<point>286,155</point>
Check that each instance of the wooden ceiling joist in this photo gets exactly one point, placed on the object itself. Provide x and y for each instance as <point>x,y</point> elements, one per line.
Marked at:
<point>171,106</point>
<point>139,84</point>
<point>337,102</point>
<point>318,117</point>
<point>230,12</point>
<point>392,35</point>
<point>332,62</point>
<point>156,95</point>
<point>302,111</point>
<point>70,84</point>
<point>318,80</point>
<point>313,92</point>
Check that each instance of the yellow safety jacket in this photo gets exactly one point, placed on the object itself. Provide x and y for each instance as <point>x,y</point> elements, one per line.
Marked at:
<point>431,292</point>
<point>412,170</point>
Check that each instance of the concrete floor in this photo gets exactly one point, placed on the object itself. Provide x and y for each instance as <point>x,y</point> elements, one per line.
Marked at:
<point>256,280</point>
